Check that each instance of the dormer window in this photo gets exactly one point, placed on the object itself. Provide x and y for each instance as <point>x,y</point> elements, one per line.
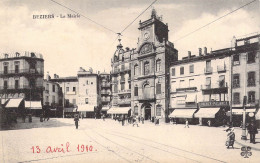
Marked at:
<point>6,55</point>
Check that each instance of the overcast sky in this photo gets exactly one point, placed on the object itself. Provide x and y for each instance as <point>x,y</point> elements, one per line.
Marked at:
<point>68,44</point>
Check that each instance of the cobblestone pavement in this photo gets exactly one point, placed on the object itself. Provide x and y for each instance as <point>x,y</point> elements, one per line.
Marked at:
<point>57,140</point>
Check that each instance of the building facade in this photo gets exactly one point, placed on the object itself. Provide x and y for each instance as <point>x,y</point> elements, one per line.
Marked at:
<point>140,76</point>
<point>245,75</point>
<point>21,76</point>
<point>105,90</point>
<point>201,84</point>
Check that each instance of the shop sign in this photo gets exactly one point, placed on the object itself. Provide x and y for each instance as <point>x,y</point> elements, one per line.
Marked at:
<point>213,103</point>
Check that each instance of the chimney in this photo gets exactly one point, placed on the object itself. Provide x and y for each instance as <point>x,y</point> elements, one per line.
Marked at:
<point>205,50</point>
<point>48,76</point>
<point>200,52</point>
<point>189,54</point>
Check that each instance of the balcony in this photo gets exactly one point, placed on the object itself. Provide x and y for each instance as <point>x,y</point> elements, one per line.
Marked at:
<point>124,91</point>
<point>124,101</point>
<point>221,69</point>
<point>149,97</point>
<point>20,88</point>
<point>187,89</point>
<point>251,83</point>
<point>71,93</point>
<point>208,70</point>
<point>21,72</point>
<point>216,88</point>
<point>105,85</point>
<point>105,92</point>
<point>115,71</point>
<point>122,80</point>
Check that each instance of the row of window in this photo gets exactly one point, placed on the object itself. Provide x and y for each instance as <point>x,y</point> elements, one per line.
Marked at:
<point>146,90</point>
<point>47,87</point>
<point>250,97</point>
<point>146,69</point>
<point>32,84</point>
<point>251,56</point>
<point>191,68</point>
<point>250,80</point>
<point>122,87</point>
<point>47,99</point>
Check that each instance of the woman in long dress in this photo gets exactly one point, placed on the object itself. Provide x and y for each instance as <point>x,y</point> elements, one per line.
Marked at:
<point>230,138</point>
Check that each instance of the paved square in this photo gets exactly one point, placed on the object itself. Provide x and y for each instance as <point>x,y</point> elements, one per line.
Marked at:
<point>57,140</point>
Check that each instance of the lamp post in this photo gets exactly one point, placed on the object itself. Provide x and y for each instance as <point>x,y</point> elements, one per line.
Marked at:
<point>243,136</point>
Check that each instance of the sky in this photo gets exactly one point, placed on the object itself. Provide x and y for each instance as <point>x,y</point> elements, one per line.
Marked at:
<point>67,44</point>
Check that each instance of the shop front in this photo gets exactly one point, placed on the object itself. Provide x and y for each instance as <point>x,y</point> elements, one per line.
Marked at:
<point>237,115</point>
<point>212,113</point>
<point>119,112</point>
<point>34,107</point>
<point>87,111</point>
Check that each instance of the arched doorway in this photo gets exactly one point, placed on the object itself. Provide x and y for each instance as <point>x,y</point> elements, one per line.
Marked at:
<point>146,110</point>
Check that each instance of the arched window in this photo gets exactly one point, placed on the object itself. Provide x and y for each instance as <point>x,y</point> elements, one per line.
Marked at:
<point>146,91</point>
<point>158,65</point>
<point>146,68</point>
<point>136,69</point>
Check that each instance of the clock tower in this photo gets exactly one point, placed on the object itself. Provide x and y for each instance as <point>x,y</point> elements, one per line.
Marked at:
<point>153,30</point>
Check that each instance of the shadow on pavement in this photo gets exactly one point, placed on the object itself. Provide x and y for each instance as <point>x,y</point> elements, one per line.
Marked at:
<point>35,124</point>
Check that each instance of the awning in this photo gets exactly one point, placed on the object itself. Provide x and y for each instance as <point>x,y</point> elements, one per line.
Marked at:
<point>240,111</point>
<point>33,104</point>
<point>14,103</point>
<point>182,113</point>
<point>257,115</point>
<point>87,108</point>
<point>68,110</point>
<point>105,109</point>
<point>118,110</point>
<point>190,98</point>
<point>206,112</point>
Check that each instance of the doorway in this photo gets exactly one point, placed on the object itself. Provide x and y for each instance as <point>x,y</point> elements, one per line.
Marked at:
<point>147,113</point>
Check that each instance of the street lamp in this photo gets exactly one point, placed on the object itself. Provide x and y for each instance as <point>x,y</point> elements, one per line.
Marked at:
<point>243,136</point>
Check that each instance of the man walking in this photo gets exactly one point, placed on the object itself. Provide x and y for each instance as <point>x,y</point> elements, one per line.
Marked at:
<point>186,123</point>
<point>76,119</point>
<point>252,130</point>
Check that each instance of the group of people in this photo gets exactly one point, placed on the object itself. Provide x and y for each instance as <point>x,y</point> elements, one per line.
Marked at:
<point>252,131</point>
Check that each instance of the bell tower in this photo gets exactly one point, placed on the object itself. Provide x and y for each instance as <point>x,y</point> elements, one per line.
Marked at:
<point>153,30</point>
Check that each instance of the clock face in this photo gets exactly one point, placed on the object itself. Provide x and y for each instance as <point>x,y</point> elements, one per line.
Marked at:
<point>146,35</point>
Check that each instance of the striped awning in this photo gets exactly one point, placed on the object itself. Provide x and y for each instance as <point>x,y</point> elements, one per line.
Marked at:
<point>87,108</point>
<point>33,105</point>
<point>207,112</point>
<point>118,110</point>
<point>14,103</point>
<point>182,113</point>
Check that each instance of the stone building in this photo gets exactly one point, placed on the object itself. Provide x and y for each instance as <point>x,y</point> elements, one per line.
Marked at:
<point>200,86</point>
<point>21,77</point>
<point>246,73</point>
<point>105,90</point>
<point>140,76</point>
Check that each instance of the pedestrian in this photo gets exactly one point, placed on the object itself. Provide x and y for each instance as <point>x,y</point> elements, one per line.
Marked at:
<point>76,119</point>
<point>142,118</point>
<point>230,138</point>
<point>82,115</point>
<point>187,124</point>
<point>135,122</point>
<point>123,120</point>
<point>209,123</point>
<point>252,130</point>
<point>139,119</point>
<point>104,117</point>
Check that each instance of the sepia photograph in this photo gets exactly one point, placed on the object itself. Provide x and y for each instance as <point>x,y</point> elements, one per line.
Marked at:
<point>137,81</point>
